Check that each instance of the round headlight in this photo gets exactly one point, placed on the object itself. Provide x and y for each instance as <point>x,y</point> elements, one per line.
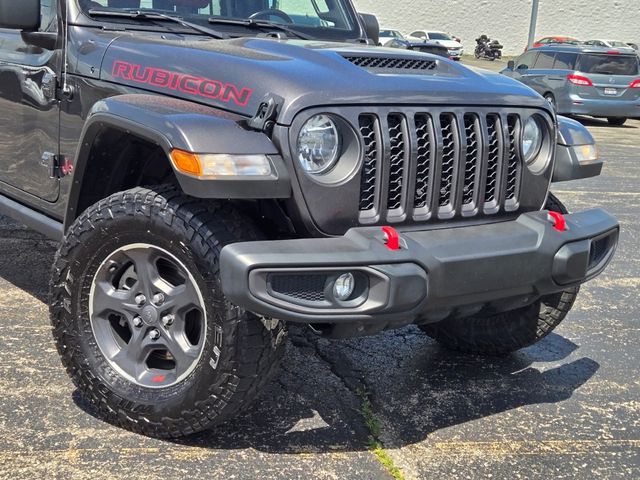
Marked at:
<point>532,138</point>
<point>318,145</point>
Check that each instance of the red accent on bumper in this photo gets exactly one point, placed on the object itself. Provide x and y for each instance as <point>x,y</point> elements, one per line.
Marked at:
<point>392,238</point>
<point>559,223</point>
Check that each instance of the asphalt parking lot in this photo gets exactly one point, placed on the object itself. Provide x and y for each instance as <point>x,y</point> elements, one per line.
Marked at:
<point>566,408</point>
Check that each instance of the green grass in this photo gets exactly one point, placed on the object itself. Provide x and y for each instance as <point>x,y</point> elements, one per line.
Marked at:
<point>374,444</point>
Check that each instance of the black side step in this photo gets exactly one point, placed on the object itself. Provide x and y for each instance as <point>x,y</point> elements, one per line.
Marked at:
<point>40,223</point>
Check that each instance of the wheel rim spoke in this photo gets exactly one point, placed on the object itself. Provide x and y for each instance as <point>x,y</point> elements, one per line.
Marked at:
<point>107,299</point>
<point>182,352</point>
<point>146,271</point>
<point>183,297</point>
<point>129,355</point>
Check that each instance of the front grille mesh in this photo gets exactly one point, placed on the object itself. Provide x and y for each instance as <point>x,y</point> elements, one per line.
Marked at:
<point>438,166</point>
<point>309,288</point>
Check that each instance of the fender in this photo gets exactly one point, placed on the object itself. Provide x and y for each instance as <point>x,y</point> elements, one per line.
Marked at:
<point>172,123</point>
<point>572,134</point>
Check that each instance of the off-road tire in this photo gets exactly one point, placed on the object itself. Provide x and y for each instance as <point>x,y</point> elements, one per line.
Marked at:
<point>617,121</point>
<point>250,347</point>
<point>510,331</point>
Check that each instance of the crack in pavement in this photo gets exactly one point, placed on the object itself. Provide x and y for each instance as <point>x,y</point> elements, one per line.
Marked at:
<point>340,366</point>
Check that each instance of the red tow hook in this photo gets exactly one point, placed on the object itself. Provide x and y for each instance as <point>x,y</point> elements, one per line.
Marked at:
<point>391,238</point>
<point>558,220</point>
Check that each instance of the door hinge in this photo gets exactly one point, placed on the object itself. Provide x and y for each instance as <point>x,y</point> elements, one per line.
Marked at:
<point>49,85</point>
<point>58,166</point>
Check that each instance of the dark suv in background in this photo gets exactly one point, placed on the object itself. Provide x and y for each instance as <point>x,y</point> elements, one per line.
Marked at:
<point>583,80</point>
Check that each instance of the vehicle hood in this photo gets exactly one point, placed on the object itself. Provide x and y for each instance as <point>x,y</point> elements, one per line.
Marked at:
<point>237,74</point>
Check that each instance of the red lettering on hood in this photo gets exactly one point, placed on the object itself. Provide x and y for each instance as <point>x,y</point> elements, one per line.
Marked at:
<point>190,84</point>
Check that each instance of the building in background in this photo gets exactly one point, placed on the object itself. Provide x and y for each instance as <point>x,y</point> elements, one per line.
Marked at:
<point>508,20</point>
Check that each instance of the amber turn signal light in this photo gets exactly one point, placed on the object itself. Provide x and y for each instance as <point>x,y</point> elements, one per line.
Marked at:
<point>186,162</point>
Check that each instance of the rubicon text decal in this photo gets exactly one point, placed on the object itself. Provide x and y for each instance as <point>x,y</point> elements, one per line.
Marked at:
<point>182,82</point>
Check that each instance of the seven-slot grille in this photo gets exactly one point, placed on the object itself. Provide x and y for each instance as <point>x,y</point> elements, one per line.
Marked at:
<point>438,165</point>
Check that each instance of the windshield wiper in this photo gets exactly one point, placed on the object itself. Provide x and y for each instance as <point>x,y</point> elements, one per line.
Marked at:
<point>151,16</point>
<point>261,24</point>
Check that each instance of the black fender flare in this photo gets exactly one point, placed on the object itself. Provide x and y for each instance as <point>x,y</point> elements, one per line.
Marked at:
<point>572,133</point>
<point>179,124</point>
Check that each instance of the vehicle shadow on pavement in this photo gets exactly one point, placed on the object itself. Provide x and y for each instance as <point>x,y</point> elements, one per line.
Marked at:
<point>416,388</point>
<point>25,259</point>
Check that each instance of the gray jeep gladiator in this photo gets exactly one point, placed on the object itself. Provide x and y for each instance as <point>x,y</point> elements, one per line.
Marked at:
<point>216,169</point>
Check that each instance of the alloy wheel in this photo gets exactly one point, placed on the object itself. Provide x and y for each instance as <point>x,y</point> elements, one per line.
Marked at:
<point>147,315</point>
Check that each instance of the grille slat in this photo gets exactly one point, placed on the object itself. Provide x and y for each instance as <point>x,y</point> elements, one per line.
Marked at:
<point>493,162</point>
<point>513,164</point>
<point>369,132</point>
<point>397,144</point>
<point>448,126</point>
<point>424,160</point>
<point>474,157</point>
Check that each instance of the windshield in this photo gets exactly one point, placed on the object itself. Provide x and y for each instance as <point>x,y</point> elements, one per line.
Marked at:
<point>439,36</point>
<point>390,33</point>
<point>311,15</point>
<point>609,64</point>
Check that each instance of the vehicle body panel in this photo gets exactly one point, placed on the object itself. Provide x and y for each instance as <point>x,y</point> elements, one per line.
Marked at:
<point>30,113</point>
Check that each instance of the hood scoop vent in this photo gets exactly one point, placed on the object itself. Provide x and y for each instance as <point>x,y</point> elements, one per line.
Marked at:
<point>393,64</point>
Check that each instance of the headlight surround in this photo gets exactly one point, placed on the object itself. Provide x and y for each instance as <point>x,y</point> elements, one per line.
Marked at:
<point>532,138</point>
<point>319,145</point>
<point>537,144</point>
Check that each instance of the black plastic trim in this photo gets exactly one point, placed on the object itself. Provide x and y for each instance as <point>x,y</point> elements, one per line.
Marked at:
<point>455,270</point>
<point>47,226</point>
<point>178,124</point>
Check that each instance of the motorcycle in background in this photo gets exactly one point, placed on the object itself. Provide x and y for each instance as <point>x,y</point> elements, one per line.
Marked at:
<point>488,49</point>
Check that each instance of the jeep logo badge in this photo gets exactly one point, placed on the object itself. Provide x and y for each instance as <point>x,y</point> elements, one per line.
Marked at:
<point>149,315</point>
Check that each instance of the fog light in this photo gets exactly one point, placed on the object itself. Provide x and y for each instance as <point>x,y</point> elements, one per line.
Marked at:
<point>344,286</point>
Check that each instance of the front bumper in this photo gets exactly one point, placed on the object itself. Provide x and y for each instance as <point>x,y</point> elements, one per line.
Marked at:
<point>436,274</point>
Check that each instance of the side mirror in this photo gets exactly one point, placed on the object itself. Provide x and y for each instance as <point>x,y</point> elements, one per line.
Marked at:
<point>511,65</point>
<point>22,15</point>
<point>371,27</point>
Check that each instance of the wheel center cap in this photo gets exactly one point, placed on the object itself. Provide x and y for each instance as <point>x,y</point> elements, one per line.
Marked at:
<point>149,315</point>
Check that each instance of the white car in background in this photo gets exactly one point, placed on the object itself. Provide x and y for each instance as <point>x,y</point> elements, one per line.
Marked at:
<point>455,48</point>
<point>607,44</point>
<point>388,34</point>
